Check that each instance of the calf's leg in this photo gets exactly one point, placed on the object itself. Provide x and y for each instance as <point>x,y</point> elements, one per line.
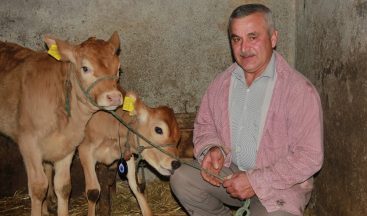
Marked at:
<point>104,202</point>
<point>49,205</point>
<point>37,180</point>
<point>62,184</point>
<point>145,209</point>
<point>92,186</point>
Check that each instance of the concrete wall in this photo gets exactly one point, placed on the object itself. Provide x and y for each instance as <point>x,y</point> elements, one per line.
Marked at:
<point>171,49</point>
<point>332,52</point>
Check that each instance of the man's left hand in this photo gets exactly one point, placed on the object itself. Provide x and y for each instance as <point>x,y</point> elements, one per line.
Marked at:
<point>238,186</point>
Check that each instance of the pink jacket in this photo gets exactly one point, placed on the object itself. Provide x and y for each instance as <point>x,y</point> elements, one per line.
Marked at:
<point>291,146</point>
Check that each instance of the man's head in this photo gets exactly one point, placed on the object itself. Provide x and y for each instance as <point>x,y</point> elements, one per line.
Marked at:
<point>253,36</point>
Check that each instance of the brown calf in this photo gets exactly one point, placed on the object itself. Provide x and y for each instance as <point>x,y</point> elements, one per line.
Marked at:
<point>36,89</point>
<point>106,140</point>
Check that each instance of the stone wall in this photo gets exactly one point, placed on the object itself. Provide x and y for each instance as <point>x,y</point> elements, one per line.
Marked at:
<point>171,50</point>
<point>331,50</point>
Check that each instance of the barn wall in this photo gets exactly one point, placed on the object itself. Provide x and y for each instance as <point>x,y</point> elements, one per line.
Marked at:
<point>171,49</point>
<point>332,51</point>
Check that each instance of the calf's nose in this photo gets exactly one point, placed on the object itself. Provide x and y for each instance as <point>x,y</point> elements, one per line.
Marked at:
<point>115,98</point>
<point>175,164</point>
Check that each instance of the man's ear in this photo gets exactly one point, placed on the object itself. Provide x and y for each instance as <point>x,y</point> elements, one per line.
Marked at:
<point>274,39</point>
<point>65,49</point>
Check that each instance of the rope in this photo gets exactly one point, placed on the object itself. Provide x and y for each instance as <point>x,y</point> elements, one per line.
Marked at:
<point>67,96</point>
<point>141,136</point>
<point>90,99</point>
<point>85,92</point>
<point>111,77</point>
<point>243,211</point>
<point>68,92</point>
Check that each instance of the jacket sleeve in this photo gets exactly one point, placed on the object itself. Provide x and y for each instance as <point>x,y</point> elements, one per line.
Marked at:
<point>205,135</point>
<point>304,154</point>
<point>208,125</point>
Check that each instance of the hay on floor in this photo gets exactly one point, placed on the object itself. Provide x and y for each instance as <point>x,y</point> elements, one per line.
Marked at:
<point>159,198</point>
<point>124,203</point>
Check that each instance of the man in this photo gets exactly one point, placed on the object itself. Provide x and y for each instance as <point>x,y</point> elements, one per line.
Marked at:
<point>259,126</point>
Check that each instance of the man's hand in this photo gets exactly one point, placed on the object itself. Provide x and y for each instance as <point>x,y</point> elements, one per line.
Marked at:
<point>238,186</point>
<point>213,162</point>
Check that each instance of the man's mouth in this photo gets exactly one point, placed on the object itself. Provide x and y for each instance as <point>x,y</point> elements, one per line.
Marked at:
<point>247,55</point>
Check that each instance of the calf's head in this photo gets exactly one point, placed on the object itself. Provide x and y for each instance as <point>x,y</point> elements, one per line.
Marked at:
<point>96,66</point>
<point>160,127</point>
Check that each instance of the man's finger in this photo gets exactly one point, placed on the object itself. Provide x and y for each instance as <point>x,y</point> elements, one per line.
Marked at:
<point>228,177</point>
<point>216,165</point>
<point>214,180</point>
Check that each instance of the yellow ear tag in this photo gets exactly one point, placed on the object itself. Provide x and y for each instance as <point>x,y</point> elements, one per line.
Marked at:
<point>54,52</point>
<point>129,104</point>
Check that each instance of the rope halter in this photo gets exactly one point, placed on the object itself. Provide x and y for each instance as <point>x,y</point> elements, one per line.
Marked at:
<point>86,91</point>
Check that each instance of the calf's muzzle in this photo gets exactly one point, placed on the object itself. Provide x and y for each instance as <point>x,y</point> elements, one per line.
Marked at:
<point>175,164</point>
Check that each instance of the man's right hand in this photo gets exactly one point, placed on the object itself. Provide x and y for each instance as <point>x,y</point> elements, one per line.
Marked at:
<point>213,162</point>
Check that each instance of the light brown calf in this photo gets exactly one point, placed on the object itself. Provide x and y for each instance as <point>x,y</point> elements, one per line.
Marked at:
<point>35,91</point>
<point>105,141</point>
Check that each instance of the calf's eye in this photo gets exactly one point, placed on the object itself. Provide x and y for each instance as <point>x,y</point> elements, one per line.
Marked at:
<point>158,130</point>
<point>85,69</point>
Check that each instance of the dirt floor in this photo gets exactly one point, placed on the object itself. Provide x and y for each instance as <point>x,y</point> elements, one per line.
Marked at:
<point>124,203</point>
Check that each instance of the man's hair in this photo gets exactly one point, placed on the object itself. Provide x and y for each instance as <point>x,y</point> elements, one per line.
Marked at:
<point>248,9</point>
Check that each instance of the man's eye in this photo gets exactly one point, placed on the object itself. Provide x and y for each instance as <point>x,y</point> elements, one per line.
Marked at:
<point>235,39</point>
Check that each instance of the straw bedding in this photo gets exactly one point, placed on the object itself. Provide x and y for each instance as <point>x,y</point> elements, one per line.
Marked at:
<point>124,203</point>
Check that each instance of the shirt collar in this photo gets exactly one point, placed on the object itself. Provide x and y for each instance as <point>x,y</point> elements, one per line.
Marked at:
<point>270,69</point>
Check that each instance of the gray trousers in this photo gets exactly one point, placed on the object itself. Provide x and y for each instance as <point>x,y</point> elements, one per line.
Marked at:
<point>198,197</point>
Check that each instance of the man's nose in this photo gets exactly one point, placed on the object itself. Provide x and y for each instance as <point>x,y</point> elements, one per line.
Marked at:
<point>244,45</point>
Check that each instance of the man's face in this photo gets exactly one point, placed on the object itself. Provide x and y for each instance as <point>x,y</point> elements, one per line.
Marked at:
<point>252,46</point>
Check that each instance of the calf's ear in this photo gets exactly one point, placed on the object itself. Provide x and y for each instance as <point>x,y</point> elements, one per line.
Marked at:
<point>115,41</point>
<point>140,109</point>
<point>142,113</point>
<point>64,49</point>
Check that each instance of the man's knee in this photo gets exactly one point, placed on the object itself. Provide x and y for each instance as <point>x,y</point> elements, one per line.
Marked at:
<point>185,181</point>
<point>179,179</point>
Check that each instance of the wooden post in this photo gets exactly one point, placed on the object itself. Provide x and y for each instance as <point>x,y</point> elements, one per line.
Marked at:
<point>186,124</point>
